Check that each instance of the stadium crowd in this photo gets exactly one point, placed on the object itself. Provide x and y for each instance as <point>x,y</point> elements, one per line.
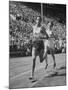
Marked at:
<point>20,29</point>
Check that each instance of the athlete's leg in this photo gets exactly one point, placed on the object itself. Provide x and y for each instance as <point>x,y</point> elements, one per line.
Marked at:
<point>34,60</point>
<point>45,53</point>
<point>52,53</point>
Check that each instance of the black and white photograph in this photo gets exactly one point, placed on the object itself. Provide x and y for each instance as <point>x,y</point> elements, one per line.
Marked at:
<point>37,44</point>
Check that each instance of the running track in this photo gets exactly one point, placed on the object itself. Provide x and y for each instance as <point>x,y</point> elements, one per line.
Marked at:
<point>20,71</point>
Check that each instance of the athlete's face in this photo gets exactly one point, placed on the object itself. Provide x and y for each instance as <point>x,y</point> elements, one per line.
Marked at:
<point>37,20</point>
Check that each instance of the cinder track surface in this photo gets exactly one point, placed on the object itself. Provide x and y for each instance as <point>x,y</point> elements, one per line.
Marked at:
<point>20,72</point>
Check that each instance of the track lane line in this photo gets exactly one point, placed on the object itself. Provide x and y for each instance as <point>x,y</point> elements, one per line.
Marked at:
<point>29,71</point>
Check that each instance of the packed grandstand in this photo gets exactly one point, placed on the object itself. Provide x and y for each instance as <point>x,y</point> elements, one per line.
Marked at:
<point>21,17</point>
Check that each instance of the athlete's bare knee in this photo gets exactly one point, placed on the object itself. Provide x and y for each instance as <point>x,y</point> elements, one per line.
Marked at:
<point>33,53</point>
<point>45,53</point>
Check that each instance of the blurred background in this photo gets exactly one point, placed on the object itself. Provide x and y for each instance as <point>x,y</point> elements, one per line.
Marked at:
<point>23,14</point>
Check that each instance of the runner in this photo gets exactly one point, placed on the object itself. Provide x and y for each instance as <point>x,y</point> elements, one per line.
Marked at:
<point>38,44</point>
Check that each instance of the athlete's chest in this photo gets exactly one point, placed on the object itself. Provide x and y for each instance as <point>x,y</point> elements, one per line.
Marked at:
<point>49,32</point>
<point>36,29</point>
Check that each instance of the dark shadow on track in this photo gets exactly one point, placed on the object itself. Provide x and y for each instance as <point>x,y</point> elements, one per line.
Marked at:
<point>60,72</point>
<point>63,67</point>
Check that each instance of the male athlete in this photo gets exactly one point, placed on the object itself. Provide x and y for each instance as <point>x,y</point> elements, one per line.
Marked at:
<point>38,44</point>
